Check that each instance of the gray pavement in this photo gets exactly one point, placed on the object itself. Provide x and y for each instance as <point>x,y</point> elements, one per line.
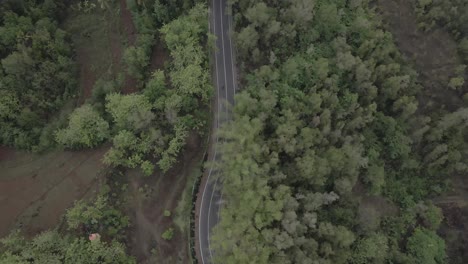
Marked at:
<point>225,85</point>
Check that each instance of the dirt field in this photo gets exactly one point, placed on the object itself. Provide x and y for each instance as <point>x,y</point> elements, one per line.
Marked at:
<point>159,57</point>
<point>146,212</point>
<point>35,189</point>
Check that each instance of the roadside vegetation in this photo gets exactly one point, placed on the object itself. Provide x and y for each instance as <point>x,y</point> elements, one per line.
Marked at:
<point>332,118</point>
<point>154,123</point>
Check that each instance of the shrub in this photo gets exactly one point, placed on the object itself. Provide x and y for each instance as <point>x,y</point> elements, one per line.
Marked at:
<point>86,128</point>
<point>168,234</point>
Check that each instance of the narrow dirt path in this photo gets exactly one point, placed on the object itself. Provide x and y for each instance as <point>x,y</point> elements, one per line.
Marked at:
<point>126,20</point>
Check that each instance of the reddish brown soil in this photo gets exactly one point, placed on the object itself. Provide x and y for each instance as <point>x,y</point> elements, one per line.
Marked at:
<point>148,221</point>
<point>159,57</point>
<point>454,230</point>
<point>372,208</point>
<point>130,84</point>
<point>5,152</point>
<point>35,190</point>
<point>127,22</point>
<point>87,77</point>
<point>116,45</point>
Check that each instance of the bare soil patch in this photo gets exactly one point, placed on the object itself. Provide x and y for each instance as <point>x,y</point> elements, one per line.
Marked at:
<point>126,22</point>
<point>454,228</point>
<point>87,76</point>
<point>146,211</point>
<point>35,190</point>
<point>159,57</point>
<point>372,208</point>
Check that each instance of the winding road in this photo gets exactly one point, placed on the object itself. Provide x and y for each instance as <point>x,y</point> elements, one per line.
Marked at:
<point>210,197</point>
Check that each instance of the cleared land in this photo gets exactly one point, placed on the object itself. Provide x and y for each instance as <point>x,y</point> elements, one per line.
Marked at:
<point>36,189</point>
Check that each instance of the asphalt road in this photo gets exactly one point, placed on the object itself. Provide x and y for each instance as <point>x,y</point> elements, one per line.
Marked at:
<point>224,78</point>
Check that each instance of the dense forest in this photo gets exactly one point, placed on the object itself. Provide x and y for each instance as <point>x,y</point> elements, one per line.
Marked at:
<point>332,118</point>
<point>336,149</point>
<point>37,73</point>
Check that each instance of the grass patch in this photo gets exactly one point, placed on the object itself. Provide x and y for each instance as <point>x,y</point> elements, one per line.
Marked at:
<point>98,39</point>
<point>184,206</point>
<point>183,211</point>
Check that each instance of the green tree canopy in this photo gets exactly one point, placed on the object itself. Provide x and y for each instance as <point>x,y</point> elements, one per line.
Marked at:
<point>37,73</point>
<point>130,112</point>
<point>51,247</point>
<point>86,128</point>
<point>425,247</point>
